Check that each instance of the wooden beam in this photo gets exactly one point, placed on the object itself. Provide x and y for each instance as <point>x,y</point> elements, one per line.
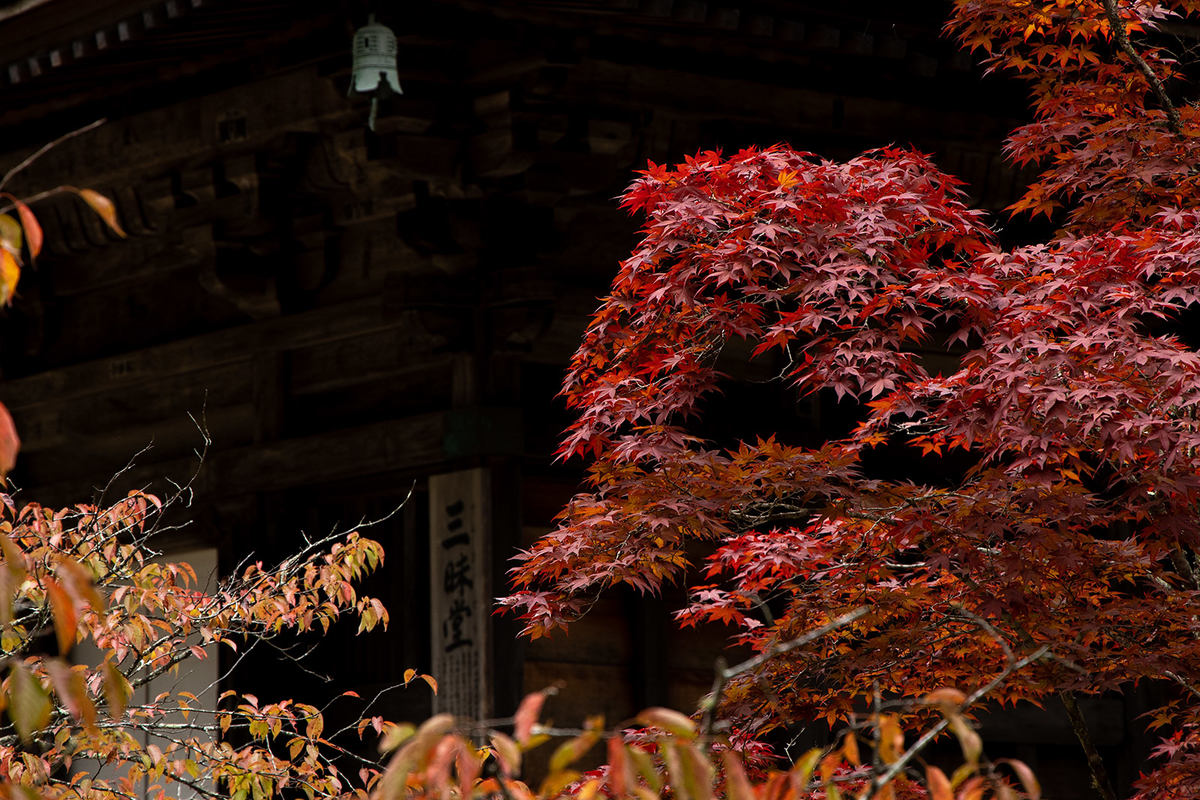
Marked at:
<point>405,444</point>
<point>415,443</point>
<point>220,347</point>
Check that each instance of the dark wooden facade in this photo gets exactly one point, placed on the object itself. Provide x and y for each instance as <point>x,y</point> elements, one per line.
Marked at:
<point>348,313</point>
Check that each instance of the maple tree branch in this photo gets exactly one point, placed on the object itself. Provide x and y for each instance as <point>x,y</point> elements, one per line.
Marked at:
<point>896,767</point>
<point>724,673</point>
<point>1099,775</point>
<point>1184,682</point>
<point>1122,39</point>
<point>1180,561</point>
<point>786,647</point>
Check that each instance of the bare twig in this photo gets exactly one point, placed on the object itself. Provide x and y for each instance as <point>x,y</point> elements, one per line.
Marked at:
<point>44,148</point>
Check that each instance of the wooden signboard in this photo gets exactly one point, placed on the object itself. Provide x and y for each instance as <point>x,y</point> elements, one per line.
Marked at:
<point>461,602</point>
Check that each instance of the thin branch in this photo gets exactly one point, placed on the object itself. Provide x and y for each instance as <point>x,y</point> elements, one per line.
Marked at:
<point>725,673</point>
<point>1184,682</point>
<point>1122,39</point>
<point>46,147</point>
<point>899,765</point>
<point>801,641</point>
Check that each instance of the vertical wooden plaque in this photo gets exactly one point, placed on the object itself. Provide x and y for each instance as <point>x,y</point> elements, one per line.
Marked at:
<point>461,602</point>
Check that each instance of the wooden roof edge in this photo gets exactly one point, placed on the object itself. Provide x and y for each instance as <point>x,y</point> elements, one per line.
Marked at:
<point>44,35</point>
<point>20,7</point>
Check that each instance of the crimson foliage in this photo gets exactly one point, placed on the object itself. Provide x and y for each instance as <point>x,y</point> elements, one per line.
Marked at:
<point>1074,527</point>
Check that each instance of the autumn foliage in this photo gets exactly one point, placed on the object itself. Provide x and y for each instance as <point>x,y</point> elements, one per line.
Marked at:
<point>1066,524</point>
<point>89,573</point>
<point>1042,546</point>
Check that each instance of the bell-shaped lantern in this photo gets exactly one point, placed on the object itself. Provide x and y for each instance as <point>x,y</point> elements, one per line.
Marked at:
<point>374,70</point>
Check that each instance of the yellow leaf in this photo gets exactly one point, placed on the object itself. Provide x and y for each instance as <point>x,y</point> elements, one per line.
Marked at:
<point>28,707</point>
<point>117,690</point>
<point>968,739</point>
<point>508,753</point>
<point>555,782</point>
<point>960,775</point>
<point>572,750</point>
<point>669,720</point>
<point>643,764</point>
<point>804,767</point>
<point>10,235</point>
<point>395,736</point>
<point>589,789</point>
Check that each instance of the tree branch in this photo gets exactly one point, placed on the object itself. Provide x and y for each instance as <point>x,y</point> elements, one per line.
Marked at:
<point>724,673</point>
<point>898,766</point>
<point>44,148</point>
<point>1099,775</point>
<point>1121,36</point>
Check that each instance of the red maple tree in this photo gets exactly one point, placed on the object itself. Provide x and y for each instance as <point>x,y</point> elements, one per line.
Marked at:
<point>1070,534</point>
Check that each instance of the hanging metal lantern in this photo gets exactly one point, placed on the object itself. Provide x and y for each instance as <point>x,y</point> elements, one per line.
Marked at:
<point>374,70</point>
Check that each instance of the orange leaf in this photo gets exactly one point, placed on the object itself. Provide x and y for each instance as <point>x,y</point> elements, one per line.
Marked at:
<point>1028,779</point>
<point>71,687</point>
<point>737,785</point>
<point>527,715</point>
<point>891,738</point>
<point>77,582</point>
<point>63,610</point>
<point>10,273</point>
<point>33,231</point>
<point>945,695</point>
<point>102,206</point>
<point>972,789</point>
<point>850,748</point>
<point>10,443</point>
<point>939,784</point>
